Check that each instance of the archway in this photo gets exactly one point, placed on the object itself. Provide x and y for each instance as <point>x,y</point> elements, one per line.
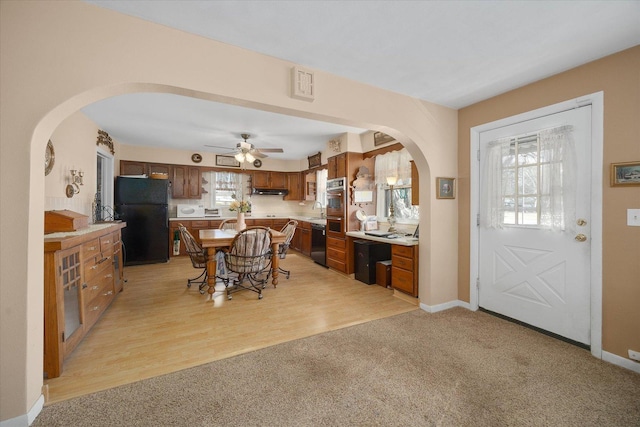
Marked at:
<point>98,94</point>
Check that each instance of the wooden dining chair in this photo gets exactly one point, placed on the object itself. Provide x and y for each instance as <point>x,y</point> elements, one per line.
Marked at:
<point>198,257</point>
<point>246,259</point>
<point>228,224</point>
<point>289,231</point>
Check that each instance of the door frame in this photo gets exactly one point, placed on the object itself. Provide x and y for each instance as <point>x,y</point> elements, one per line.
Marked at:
<point>596,100</point>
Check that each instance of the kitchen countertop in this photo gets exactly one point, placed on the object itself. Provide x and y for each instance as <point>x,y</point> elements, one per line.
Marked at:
<point>314,220</point>
<point>404,241</point>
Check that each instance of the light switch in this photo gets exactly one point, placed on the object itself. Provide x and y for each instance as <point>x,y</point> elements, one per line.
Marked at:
<point>633,217</point>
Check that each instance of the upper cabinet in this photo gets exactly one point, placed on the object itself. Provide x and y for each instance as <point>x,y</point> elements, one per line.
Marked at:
<point>186,182</point>
<point>132,168</point>
<point>337,166</point>
<point>128,167</point>
<point>294,185</point>
<point>269,180</point>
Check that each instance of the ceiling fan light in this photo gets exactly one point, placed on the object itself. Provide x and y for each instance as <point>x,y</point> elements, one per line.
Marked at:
<point>249,158</point>
<point>239,157</point>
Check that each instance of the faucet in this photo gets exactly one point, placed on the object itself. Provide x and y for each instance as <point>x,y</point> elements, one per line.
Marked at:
<point>322,214</point>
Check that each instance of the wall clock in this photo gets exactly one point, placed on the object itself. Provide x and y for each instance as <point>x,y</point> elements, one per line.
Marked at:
<point>257,163</point>
<point>196,158</point>
<point>49,158</point>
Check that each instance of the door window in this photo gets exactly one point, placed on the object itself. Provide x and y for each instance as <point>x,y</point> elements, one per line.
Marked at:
<point>531,180</point>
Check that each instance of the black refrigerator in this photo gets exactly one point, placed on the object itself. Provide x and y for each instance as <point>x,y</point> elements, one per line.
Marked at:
<point>143,204</point>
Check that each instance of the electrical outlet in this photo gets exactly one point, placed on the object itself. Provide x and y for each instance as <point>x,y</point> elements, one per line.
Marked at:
<point>634,355</point>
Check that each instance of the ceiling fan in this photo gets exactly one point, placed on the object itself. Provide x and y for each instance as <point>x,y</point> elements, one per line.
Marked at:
<point>247,151</point>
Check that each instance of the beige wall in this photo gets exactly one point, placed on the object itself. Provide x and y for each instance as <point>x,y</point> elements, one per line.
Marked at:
<point>57,57</point>
<point>619,77</point>
<point>74,142</point>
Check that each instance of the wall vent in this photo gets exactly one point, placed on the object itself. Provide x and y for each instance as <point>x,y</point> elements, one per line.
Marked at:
<point>303,84</point>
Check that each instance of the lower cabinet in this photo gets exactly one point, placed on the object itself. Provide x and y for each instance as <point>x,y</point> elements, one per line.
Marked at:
<point>81,277</point>
<point>337,253</point>
<point>404,269</point>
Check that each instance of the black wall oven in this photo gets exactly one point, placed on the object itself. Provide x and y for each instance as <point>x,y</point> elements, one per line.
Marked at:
<point>336,197</point>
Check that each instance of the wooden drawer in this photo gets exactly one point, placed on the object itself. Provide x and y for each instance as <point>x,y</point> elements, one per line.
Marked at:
<point>406,251</point>
<point>304,224</point>
<point>402,262</point>
<point>332,242</point>
<point>200,224</point>
<point>402,279</point>
<point>214,225</point>
<point>337,265</point>
<point>93,268</point>
<point>101,285</point>
<point>91,249</point>
<point>98,305</point>
<point>106,243</point>
<point>336,254</point>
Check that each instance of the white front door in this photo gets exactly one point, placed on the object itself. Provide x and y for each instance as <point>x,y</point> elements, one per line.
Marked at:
<point>527,271</point>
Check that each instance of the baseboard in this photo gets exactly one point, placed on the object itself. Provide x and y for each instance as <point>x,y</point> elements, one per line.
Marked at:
<point>27,419</point>
<point>623,362</point>
<point>445,306</point>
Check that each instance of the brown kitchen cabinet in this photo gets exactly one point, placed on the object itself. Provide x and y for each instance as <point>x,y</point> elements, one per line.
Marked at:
<point>80,280</point>
<point>294,185</point>
<point>303,238</point>
<point>128,167</point>
<point>186,182</point>
<point>338,251</point>
<point>404,269</point>
<point>269,180</point>
<point>337,166</point>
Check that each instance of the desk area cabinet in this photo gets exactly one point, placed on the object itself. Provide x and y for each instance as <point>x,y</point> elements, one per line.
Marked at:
<point>82,273</point>
<point>404,269</point>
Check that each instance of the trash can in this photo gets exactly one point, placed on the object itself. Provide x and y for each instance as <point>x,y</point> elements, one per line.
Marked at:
<point>383,273</point>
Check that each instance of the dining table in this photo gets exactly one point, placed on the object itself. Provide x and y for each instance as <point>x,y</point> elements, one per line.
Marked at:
<point>215,239</point>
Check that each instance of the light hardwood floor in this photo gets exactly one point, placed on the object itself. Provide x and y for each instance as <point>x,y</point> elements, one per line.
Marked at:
<point>157,325</point>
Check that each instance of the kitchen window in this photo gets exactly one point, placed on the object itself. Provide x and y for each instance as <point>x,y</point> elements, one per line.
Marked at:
<point>224,187</point>
<point>404,211</point>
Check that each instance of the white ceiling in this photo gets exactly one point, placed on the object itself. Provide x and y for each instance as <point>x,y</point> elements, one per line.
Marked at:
<point>453,53</point>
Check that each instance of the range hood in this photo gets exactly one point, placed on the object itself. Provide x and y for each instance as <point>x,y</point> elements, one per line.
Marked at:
<point>270,192</point>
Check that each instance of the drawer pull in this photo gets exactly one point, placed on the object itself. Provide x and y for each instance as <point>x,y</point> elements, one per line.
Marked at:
<point>92,248</point>
<point>108,293</point>
<point>108,276</point>
<point>95,287</point>
<point>93,267</point>
<point>96,308</point>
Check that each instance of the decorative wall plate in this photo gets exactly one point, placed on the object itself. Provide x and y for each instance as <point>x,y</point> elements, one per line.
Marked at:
<point>257,163</point>
<point>196,158</point>
<point>49,158</point>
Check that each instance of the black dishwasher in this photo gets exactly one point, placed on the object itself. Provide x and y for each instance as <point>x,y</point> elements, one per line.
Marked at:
<point>319,244</point>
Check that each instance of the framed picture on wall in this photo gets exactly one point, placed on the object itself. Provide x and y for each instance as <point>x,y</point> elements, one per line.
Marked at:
<point>315,160</point>
<point>228,161</point>
<point>380,138</point>
<point>445,188</point>
<point>623,174</point>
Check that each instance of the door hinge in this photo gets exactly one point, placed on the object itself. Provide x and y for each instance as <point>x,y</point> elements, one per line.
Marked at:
<point>478,153</point>
<point>478,220</point>
<point>478,283</point>
<point>62,336</point>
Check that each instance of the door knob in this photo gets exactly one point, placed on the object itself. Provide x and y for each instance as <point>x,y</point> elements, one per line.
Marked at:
<point>581,222</point>
<point>581,238</point>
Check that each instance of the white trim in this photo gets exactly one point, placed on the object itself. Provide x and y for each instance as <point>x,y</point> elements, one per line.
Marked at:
<point>445,306</point>
<point>27,419</point>
<point>621,361</point>
<point>597,131</point>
